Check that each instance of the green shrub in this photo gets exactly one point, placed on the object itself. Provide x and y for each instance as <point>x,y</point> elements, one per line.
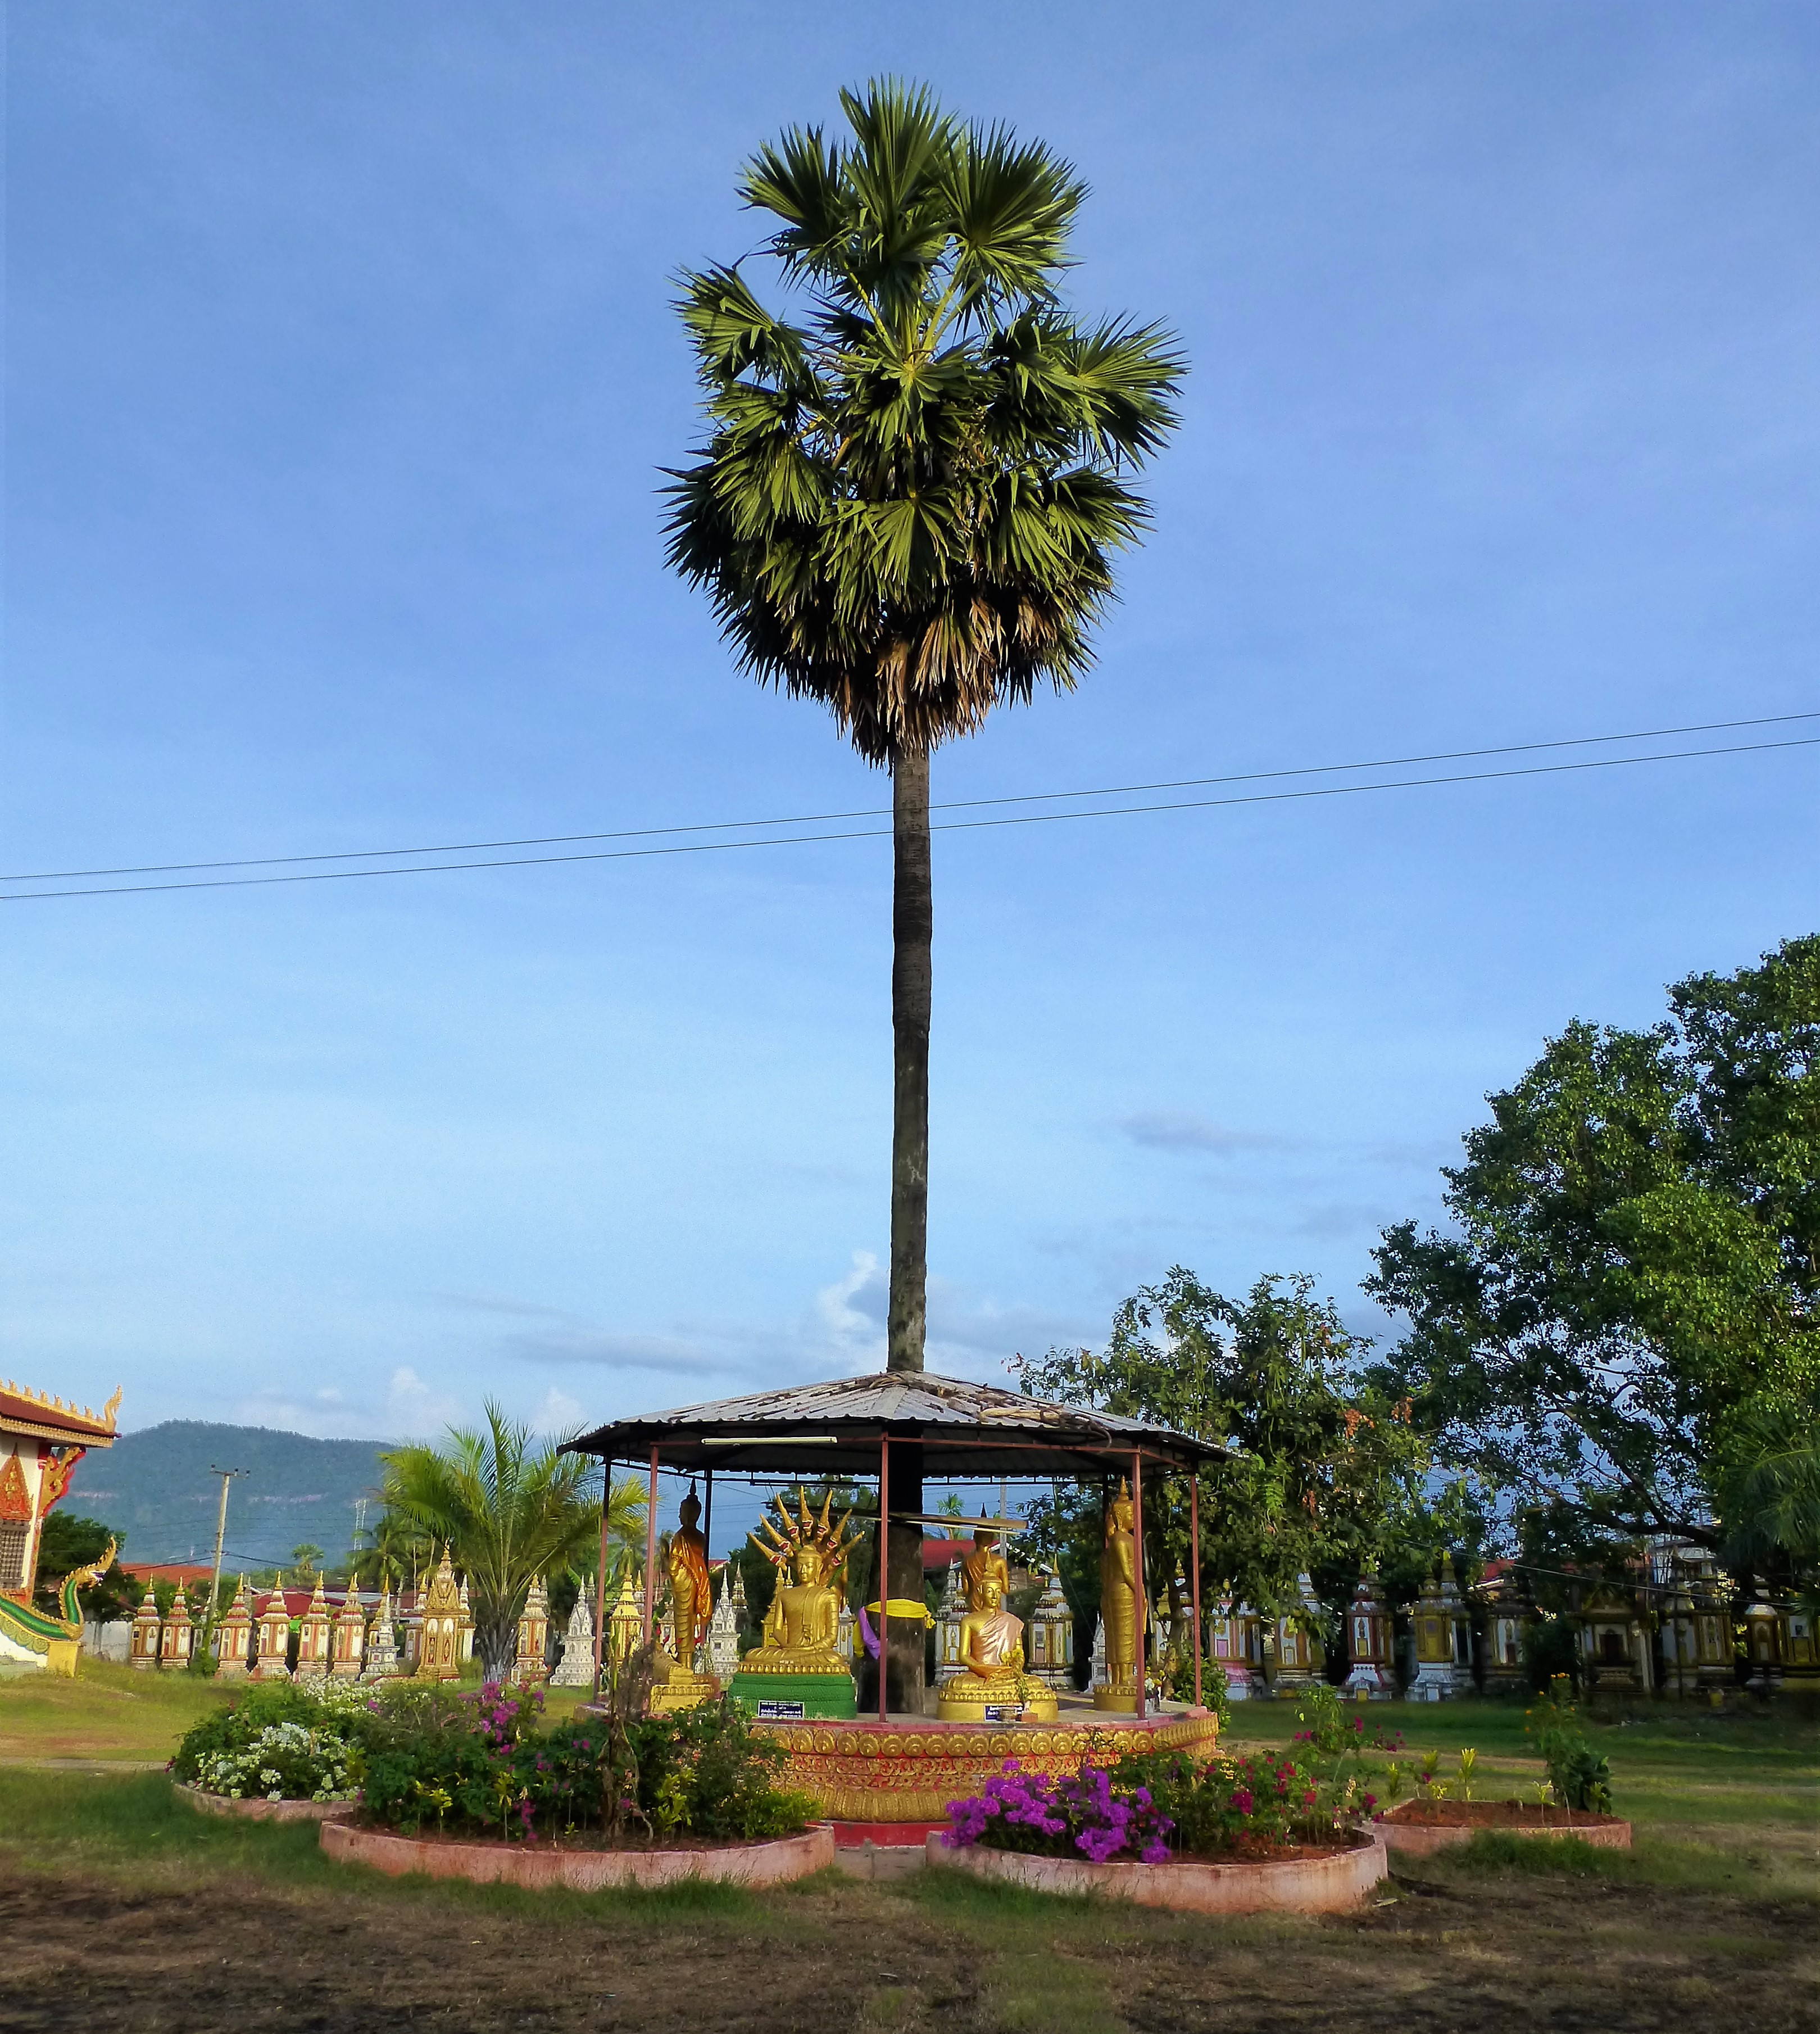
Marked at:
<point>1581,1777</point>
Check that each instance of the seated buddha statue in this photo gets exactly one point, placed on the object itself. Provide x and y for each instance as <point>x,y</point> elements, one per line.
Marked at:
<point>992,1662</point>
<point>798,1633</point>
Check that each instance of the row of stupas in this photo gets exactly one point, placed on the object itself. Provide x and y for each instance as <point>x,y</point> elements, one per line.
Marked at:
<point>427,1633</point>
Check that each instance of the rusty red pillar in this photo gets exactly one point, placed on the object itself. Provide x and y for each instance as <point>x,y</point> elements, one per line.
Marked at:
<point>1194,1569</point>
<point>651,1554</point>
<point>1141,1628</point>
<point>884,1570</point>
<point>601,1577</point>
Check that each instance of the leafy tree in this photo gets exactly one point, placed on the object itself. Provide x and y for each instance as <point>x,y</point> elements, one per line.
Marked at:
<point>508,1511</point>
<point>1324,1471</point>
<point>306,1560</point>
<point>1629,1292</point>
<point>396,1549</point>
<point>66,1541</point>
<point>911,491</point>
<point>1767,1482</point>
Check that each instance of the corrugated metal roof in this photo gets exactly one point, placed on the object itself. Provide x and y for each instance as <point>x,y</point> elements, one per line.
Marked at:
<point>965,1429</point>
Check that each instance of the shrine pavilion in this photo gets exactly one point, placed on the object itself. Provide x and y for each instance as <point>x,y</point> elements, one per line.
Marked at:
<point>42,1439</point>
<point>887,1778</point>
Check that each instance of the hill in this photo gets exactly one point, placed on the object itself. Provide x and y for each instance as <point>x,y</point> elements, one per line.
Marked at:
<point>154,1487</point>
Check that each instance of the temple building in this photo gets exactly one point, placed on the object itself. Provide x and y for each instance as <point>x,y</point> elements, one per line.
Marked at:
<point>947,1616</point>
<point>445,1625</point>
<point>530,1665</point>
<point>233,1638</point>
<point>1508,1614</point>
<point>146,1629</point>
<point>271,1662</point>
<point>576,1669</point>
<point>1300,1657</point>
<point>382,1659</point>
<point>1051,1659</point>
<point>179,1638</point>
<point>1443,1636</point>
<point>625,1620</point>
<point>315,1637</point>
<point>1236,1648</point>
<point>1370,1637</point>
<point>349,1641</point>
<point>1615,1650</point>
<point>42,1439</point>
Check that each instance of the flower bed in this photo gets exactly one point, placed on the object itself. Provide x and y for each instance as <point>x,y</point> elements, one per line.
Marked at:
<point>1222,1836</point>
<point>257,1808</point>
<point>1423,1827</point>
<point>772,1862</point>
<point>1328,1881</point>
<point>277,1744</point>
<point>424,1759</point>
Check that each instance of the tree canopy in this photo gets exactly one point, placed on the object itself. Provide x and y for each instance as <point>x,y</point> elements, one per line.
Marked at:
<point>910,490</point>
<point>1325,1474</point>
<point>1627,1294</point>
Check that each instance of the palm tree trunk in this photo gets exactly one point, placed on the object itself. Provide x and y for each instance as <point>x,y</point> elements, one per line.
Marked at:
<point>912,935</point>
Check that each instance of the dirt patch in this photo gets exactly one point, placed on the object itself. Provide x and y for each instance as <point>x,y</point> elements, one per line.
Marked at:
<point>1442,1952</point>
<point>1444,1814</point>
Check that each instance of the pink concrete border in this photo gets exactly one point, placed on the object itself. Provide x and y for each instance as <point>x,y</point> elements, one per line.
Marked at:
<point>256,1808</point>
<point>1296,1886</point>
<point>771,1863</point>
<point>1424,1839</point>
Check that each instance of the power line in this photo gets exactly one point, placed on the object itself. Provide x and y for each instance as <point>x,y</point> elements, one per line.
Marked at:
<point>944,826</point>
<point>880,811</point>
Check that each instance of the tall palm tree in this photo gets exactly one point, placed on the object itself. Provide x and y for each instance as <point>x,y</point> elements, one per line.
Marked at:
<point>909,496</point>
<point>509,1510</point>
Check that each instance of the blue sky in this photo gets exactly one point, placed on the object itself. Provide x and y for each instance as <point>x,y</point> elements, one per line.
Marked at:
<point>340,370</point>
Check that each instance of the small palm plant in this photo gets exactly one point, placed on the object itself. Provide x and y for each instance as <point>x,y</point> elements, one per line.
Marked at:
<point>509,1510</point>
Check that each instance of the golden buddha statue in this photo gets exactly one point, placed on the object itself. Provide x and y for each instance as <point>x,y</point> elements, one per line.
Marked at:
<point>677,1685</point>
<point>992,1676</point>
<point>797,1667</point>
<point>986,1557</point>
<point>1118,1606</point>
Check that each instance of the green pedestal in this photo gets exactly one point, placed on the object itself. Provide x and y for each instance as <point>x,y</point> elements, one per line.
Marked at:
<point>787,1698</point>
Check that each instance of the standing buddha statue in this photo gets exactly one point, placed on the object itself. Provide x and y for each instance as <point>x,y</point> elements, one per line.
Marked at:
<point>1118,1606</point>
<point>679,1687</point>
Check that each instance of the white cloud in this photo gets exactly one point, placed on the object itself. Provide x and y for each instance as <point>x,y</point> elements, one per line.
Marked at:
<point>852,1312</point>
<point>558,1414</point>
<point>414,1410</point>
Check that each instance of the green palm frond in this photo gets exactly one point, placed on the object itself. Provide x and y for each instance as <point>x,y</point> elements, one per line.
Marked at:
<point>509,1509</point>
<point>909,500</point>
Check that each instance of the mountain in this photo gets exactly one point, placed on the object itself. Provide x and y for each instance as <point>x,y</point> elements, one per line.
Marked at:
<point>154,1487</point>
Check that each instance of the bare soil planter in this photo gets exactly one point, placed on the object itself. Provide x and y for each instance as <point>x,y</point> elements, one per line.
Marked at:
<point>1421,1828</point>
<point>1329,1884</point>
<point>256,1808</point>
<point>540,1865</point>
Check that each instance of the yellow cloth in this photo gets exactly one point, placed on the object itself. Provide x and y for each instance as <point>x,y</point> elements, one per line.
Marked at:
<point>901,1607</point>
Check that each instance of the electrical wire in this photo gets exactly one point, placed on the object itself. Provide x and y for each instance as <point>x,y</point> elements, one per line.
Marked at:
<point>944,826</point>
<point>880,811</point>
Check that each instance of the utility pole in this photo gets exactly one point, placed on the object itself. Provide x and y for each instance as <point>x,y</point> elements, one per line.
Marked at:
<point>227,1475</point>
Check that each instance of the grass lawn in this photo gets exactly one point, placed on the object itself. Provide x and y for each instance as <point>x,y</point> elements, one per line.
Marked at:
<point>122,1908</point>
<point>107,1712</point>
<point>1744,1788</point>
<point>111,1712</point>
